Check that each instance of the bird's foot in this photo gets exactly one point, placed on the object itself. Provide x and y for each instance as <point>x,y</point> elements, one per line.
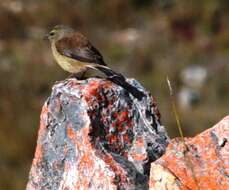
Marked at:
<point>77,76</point>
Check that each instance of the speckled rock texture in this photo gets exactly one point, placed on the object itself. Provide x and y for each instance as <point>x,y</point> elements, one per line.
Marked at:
<point>95,135</point>
<point>202,163</point>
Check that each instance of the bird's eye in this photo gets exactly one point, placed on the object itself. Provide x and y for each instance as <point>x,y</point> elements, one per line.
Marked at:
<point>51,33</point>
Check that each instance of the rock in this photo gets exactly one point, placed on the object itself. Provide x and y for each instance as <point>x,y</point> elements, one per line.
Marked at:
<point>94,135</point>
<point>162,179</point>
<point>201,163</point>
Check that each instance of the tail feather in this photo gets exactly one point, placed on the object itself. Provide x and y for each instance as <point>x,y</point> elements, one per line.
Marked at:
<point>120,80</point>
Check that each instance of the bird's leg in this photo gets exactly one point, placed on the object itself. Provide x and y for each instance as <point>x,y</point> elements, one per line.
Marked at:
<point>71,76</point>
<point>79,75</point>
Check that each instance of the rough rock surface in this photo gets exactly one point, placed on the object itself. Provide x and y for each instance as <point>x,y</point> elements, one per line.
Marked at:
<point>201,164</point>
<point>94,135</point>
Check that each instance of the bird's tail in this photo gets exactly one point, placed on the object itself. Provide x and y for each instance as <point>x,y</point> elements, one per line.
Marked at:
<point>120,80</point>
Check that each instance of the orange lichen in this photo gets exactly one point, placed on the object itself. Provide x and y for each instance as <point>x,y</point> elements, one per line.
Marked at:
<point>138,156</point>
<point>43,119</point>
<point>86,161</point>
<point>139,142</point>
<point>71,134</point>
<point>203,164</point>
<point>87,137</point>
<point>38,154</point>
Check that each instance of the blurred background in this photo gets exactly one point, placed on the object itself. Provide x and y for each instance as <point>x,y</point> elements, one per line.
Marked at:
<point>144,39</point>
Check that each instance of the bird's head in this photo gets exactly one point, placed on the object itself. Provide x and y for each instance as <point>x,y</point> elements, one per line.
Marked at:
<point>58,32</point>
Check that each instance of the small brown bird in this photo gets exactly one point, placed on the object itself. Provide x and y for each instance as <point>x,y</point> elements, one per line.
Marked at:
<point>75,54</point>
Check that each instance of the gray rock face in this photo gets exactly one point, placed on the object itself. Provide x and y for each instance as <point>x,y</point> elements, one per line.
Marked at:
<point>95,135</point>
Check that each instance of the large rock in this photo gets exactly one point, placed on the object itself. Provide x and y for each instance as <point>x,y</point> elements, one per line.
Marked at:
<point>94,135</point>
<point>202,163</point>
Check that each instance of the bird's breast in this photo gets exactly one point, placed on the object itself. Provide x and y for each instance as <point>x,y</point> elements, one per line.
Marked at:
<point>68,64</point>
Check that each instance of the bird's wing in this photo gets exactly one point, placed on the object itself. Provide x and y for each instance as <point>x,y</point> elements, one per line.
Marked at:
<point>76,46</point>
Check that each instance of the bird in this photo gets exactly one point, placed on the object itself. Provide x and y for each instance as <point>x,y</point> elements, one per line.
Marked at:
<point>75,54</point>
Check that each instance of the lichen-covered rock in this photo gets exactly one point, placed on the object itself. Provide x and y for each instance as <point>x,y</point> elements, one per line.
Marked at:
<point>95,135</point>
<point>162,179</point>
<point>201,163</point>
